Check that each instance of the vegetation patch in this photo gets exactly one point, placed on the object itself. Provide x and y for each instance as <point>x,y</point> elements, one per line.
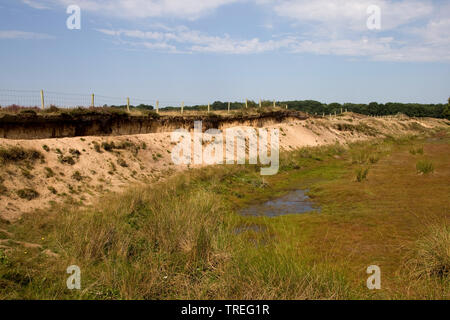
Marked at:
<point>424,166</point>
<point>18,154</point>
<point>28,194</point>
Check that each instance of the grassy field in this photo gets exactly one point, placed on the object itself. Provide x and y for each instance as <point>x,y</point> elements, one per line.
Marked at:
<point>383,202</point>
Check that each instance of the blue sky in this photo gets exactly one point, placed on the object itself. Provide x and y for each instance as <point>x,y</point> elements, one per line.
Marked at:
<point>199,51</point>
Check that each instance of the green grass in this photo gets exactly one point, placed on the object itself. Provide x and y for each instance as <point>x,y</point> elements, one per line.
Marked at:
<point>361,174</point>
<point>424,166</point>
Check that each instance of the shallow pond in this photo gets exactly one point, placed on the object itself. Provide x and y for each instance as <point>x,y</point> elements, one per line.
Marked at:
<point>294,202</point>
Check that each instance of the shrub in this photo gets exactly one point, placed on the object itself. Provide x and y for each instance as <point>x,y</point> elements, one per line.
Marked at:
<point>97,147</point>
<point>3,189</point>
<point>361,174</point>
<point>52,190</point>
<point>46,148</point>
<point>77,176</point>
<point>49,172</point>
<point>18,154</point>
<point>27,174</point>
<point>122,163</point>
<point>108,146</point>
<point>67,160</point>
<point>28,194</point>
<point>424,166</point>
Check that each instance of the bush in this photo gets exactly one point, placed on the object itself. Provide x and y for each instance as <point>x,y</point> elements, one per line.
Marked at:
<point>18,154</point>
<point>424,166</point>
<point>67,160</point>
<point>77,176</point>
<point>3,189</point>
<point>28,194</point>
<point>49,172</point>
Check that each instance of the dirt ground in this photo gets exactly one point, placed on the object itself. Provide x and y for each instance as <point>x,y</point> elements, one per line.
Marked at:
<point>77,170</point>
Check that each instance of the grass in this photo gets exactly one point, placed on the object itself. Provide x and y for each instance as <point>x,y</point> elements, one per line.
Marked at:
<point>431,256</point>
<point>415,151</point>
<point>361,174</point>
<point>178,239</point>
<point>424,166</point>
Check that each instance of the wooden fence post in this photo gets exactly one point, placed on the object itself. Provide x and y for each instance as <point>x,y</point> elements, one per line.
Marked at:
<point>274,103</point>
<point>42,99</point>
<point>209,107</point>
<point>228,107</point>
<point>260,103</point>
<point>128,104</point>
<point>92,101</point>
<point>246,103</point>
<point>182,107</point>
<point>157,106</point>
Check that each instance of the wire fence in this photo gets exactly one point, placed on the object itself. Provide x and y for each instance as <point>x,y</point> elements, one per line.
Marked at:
<point>45,99</point>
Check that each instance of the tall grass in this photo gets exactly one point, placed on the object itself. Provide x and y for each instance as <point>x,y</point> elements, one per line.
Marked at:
<point>171,242</point>
<point>431,257</point>
<point>361,174</point>
<point>424,166</point>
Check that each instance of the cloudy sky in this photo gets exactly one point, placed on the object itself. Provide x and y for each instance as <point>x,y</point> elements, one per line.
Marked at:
<point>206,50</point>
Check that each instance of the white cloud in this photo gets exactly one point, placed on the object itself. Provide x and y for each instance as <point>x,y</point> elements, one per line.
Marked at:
<point>14,34</point>
<point>196,41</point>
<point>36,4</point>
<point>352,14</point>
<point>131,9</point>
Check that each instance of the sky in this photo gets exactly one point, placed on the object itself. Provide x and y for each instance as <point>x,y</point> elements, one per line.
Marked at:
<point>201,51</point>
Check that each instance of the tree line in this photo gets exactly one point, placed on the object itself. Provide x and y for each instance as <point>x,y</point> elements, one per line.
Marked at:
<point>319,108</point>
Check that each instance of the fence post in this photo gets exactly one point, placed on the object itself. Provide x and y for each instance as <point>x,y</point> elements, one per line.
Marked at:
<point>260,103</point>
<point>93,101</point>
<point>182,107</point>
<point>42,99</point>
<point>246,103</point>
<point>286,106</point>
<point>157,106</point>
<point>274,103</point>
<point>228,107</point>
<point>128,104</point>
<point>209,107</point>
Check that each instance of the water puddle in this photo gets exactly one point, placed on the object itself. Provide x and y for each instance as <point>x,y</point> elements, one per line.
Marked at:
<point>293,203</point>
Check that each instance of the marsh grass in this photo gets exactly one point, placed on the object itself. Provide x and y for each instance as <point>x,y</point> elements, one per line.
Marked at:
<point>431,254</point>
<point>418,150</point>
<point>424,166</point>
<point>361,174</point>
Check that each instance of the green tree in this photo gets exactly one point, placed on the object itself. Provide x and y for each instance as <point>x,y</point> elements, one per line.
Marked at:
<point>446,111</point>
